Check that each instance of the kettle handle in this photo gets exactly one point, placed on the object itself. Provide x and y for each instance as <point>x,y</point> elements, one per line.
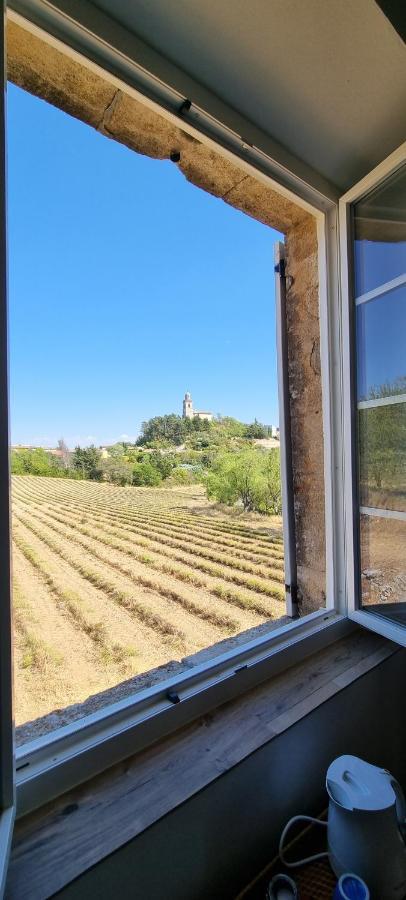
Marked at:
<point>400,801</point>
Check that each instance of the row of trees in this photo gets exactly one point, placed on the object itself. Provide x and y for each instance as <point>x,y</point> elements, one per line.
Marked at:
<point>125,465</point>
<point>174,430</point>
<point>38,462</point>
<point>220,454</point>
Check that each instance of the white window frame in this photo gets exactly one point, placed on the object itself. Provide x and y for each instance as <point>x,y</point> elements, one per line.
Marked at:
<point>367,619</point>
<point>58,762</point>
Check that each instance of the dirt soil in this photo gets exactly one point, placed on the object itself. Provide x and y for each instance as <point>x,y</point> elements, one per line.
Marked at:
<point>116,589</point>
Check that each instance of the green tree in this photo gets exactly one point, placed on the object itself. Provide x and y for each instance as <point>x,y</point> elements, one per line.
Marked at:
<point>36,462</point>
<point>117,451</point>
<point>170,429</point>
<point>163,462</point>
<point>87,461</point>
<point>249,477</point>
<point>256,430</point>
<point>382,443</point>
<point>183,476</point>
<point>270,498</point>
<point>117,471</point>
<point>144,474</point>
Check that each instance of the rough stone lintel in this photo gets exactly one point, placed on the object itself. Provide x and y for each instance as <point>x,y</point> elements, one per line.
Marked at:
<point>39,68</point>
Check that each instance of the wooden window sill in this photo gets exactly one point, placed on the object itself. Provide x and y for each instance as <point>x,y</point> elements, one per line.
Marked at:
<point>59,842</point>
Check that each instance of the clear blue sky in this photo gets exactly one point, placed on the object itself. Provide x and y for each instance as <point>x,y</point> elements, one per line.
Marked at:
<point>128,286</point>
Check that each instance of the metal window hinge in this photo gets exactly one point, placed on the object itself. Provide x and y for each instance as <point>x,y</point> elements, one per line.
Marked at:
<point>292,590</point>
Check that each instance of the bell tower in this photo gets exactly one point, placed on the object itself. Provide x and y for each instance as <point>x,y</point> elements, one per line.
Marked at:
<point>187,406</point>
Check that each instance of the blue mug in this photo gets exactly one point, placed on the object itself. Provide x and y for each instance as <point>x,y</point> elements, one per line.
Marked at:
<point>350,887</point>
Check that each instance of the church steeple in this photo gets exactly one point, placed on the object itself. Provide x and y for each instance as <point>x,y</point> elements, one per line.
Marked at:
<point>188,406</point>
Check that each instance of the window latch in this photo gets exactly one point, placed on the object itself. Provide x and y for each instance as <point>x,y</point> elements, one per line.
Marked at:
<point>173,696</point>
<point>280,268</point>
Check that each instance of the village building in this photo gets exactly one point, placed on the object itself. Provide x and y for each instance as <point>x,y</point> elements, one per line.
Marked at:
<point>190,413</point>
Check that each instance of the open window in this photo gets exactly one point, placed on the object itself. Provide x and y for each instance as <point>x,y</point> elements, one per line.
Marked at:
<point>373,229</point>
<point>66,527</point>
<point>53,763</point>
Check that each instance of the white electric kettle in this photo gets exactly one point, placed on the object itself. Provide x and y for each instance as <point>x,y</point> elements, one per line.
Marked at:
<point>367,826</point>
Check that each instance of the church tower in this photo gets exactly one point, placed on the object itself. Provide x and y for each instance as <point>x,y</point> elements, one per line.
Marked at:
<point>188,406</point>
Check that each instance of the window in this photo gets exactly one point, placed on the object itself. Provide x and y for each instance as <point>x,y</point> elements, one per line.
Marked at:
<point>139,554</point>
<point>54,763</point>
<point>380,299</point>
<point>377,306</point>
<point>97,534</point>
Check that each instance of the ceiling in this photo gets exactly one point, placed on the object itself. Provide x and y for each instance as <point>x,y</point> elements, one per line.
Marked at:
<point>325,78</point>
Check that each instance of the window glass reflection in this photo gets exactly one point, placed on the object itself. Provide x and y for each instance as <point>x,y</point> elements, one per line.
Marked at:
<point>383,563</point>
<point>380,234</point>
<point>382,456</point>
<point>381,353</point>
<point>380,257</point>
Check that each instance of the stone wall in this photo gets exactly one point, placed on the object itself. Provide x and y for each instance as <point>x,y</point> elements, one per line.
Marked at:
<point>54,76</point>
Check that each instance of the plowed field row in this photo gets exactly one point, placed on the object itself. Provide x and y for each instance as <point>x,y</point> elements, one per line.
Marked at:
<point>268,547</point>
<point>201,537</point>
<point>271,569</point>
<point>158,502</point>
<point>123,583</point>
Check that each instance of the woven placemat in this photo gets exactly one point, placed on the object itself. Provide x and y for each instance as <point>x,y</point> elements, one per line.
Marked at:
<point>315,881</point>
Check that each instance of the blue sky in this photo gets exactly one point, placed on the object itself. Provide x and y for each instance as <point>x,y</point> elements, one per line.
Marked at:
<point>128,286</point>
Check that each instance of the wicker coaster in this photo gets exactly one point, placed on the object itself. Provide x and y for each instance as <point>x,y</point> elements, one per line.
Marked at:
<point>315,881</point>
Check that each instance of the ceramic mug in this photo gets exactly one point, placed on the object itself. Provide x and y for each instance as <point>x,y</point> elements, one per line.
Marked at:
<point>350,887</point>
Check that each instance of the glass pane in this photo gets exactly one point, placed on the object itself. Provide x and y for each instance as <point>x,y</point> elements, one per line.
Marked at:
<point>380,234</point>
<point>382,456</point>
<point>381,355</point>
<point>380,257</point>
<point>383,565</point>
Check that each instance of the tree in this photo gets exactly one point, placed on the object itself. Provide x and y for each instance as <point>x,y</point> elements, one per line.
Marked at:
<point>170,429</point>
<point>87,461</point>
<point>382,441</point>
<point>144,474</point>
<point>249,477</point>
<point>183,476</point>
<point>64,453</point>
<point>117,451</point>
<point>164,463</point>
<point>271,500</point>
<point>117,471</point>
<point>35,462</point>
<point>256,430</point>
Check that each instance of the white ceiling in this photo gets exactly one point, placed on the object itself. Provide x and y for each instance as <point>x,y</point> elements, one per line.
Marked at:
<point>325,78</point>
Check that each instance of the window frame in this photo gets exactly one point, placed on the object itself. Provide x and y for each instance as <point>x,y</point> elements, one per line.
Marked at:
<point>7,762</point>
<point>387,167</point>
<point>288,511</point>
<point>68,756</point>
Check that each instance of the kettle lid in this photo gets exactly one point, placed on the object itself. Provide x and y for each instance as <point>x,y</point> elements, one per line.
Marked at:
<point>355,784</point>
